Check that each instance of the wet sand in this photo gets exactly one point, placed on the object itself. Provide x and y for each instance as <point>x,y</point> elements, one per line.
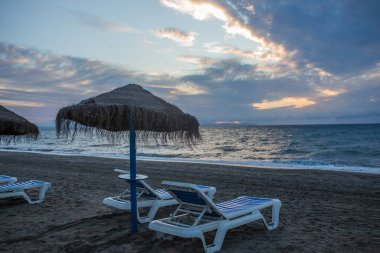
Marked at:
<point>321,211</point>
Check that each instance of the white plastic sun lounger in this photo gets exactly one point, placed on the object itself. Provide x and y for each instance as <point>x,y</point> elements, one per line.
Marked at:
<point>147,197</point>
<point>20,189</point>
<point>198,214</point>
<point>7,179</point>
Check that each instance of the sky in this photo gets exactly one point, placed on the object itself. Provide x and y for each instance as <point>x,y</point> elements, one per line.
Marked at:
<point>225,62</point>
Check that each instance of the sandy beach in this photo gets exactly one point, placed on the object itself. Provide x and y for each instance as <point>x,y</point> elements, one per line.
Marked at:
<point>321,211</point>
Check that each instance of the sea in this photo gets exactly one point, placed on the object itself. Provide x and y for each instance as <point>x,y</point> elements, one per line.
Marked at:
<point>350,148</point>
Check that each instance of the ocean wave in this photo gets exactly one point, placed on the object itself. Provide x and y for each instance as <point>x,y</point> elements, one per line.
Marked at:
<point>229,149</point>
<point>40,150</point>
<point>283,165</point>
<point>355,148</point>
<point>305,165</point>
<point>152,155</point>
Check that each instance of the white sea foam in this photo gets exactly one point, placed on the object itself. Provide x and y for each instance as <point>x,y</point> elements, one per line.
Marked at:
<point>249,164</point>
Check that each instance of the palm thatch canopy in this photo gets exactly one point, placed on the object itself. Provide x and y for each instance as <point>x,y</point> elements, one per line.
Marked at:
<point>110,113</point>
<point>14,127</point>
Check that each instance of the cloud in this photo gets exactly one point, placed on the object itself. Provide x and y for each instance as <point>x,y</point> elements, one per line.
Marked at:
<point>221,122</point>
<point>185,88</point>
<point>188,88</point>
<point>205,10</point>
<point>329,92</point>
<point>295,102</point>
<point>230,69</point>
<point>217,90</point>
<point>185,39</point>
<point>15,103</point>
<point>217,48</point>
<point>339,37</point>
<point>250,8</point>
<point>331,36</point>
<point>203,61</point>
<point>241,83</point>
<point>100,23</point>
<point>234,23</point>
<point>201,10</point>
<point>265,64</point>
<point>52,81</point>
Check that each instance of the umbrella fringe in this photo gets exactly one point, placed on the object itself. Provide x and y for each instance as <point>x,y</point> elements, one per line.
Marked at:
<point>7,139</point>
<point>112,122</point>
<point>17,131</point>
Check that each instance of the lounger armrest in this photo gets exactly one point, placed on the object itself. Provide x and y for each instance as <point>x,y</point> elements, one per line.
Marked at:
<point>121,171</point>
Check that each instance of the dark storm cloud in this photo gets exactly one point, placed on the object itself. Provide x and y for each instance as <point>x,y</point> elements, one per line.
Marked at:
<point>339,36</point>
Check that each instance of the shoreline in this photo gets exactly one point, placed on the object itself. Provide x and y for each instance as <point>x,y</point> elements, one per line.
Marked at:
<point>347,169</point>
<point>322,211</point>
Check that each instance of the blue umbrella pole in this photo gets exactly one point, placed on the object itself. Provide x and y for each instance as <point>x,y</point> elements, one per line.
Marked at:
<point>132,161</point>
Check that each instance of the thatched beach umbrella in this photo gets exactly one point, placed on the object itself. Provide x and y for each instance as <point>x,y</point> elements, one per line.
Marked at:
<point>14,127</point>
<point>128,109</point>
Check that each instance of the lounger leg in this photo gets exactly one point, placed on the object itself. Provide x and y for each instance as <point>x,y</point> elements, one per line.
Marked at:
<point>163,236</point>
<point>26,197</point>
<point>224,226</point>
<point>275,215</point>
<point>17,194</point>
<point>159,235</point>
<point>141,220</point>
<point>152,212</point>
<point>41,195</point>
<point>201,236</point>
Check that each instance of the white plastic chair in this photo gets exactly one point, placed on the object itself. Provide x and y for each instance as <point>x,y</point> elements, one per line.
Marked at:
<point>198,214</point>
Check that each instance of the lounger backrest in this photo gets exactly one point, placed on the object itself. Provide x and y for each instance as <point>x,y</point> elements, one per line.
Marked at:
<point>188,197</point>
<point>148,191</point>
<point>144,187</point>
<point>186,193</point>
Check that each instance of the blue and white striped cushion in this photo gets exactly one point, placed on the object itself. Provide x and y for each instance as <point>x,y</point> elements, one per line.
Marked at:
<point>2,177</point>
<point>5,179</point>
<point>21,185</point>
<point>163,194</point>
<point>203,186</point>
<point>240,204</point>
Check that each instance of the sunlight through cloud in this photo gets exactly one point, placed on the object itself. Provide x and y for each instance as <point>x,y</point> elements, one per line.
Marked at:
<point>283,102</point>
<point>220,122</point>
<point>206,9</point>
<point>329,92</point>
<point>16,103</point>
<point>186,88</point>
